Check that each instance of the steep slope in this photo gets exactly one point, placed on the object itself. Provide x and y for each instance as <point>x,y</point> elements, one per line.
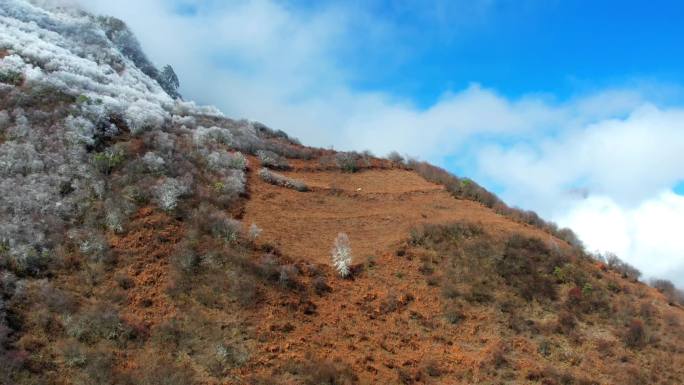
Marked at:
<point>127,254</point>
<point>434,300</point>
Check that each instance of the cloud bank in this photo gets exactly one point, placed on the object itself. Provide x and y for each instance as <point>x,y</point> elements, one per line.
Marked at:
<point>603,163</point>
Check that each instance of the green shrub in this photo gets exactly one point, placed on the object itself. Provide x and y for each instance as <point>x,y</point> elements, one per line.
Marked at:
<point>321,286</point>
<point>570,273</point>
<point>431,235</point>
<point>98,323</point>
<point>29,261</point>
<point>11,77</point>
<point>320,372</point>
<point>108,160</point>
<point>527,265</point>
<point>454,315</point>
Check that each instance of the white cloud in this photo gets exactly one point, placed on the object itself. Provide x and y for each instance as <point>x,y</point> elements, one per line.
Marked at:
<point>648,235</point>
<point>625,167</point>
<point>288,67</point>
<point>629,159</point>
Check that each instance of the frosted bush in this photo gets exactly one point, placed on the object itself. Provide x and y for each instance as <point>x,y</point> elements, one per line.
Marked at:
<point>20,130</point>
<point>89,242</point>
<point>272,160</point>
<point>246,139</point>
<point>114,221</point>
<point>4,120</point>
<point>188,121</point>
<point>222,226</point>
<point>13,64</point>
<point>342,255</point>
<point>7,280</point>
<point>238,161</point>
<point>161,141</point>
<point>169,191</point>
<point>153,163</point>
<point>106,161</point>
<point>351,161</point>
<point>114,217</point>
<point>254,232</point>
<point>182,107</point>
<point>19,158</point>
<point>94,246</point>
<point>231,355</point>
<point>281,180</point>
<point>221,160</point>
<point>27,260</point>
<point>205,135</point>
<point>217,160</point>
<point>232,185</point>
<point>82,130</point>
<point>144,115</point>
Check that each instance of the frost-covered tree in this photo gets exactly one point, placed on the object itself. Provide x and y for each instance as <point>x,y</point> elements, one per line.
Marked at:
<point>232,185</point>
<point>169,191</point>
<point>254,232</point>
<point>342,255</point>
<point>153,163</point>
<point>168,80</point>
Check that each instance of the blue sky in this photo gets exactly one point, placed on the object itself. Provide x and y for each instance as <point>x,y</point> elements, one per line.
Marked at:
<point>679,188</point>
<point>574,109</point>
<point>517,47</point>
<point>556,47</point>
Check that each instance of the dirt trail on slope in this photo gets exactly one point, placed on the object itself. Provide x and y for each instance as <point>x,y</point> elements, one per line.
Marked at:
<point>375,207</point>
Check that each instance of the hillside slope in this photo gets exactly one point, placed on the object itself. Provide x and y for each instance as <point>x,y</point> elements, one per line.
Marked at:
<point>433,302</point>
<point>146,240</point>
<point>377,208</point>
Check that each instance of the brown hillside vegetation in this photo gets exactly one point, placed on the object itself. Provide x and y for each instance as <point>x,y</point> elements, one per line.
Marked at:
<point>377,208</point>
<point>443,291</point>
<point>405,319</point>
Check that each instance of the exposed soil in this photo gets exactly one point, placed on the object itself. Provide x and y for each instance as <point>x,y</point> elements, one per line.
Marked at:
<point>145,251</point>
<point>387,322</point>
<point>376,208</point>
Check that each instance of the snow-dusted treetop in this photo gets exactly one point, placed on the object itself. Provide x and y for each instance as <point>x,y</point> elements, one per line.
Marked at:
<point>86,56</point>
<point>73,86</point>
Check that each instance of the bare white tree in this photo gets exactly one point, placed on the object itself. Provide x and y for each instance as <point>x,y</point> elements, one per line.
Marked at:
<point>342,255</point>
<point>254,232</point>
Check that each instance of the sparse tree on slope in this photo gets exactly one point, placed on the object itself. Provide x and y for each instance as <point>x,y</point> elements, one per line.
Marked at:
<point>341,255</point>
<point>169,81</point>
